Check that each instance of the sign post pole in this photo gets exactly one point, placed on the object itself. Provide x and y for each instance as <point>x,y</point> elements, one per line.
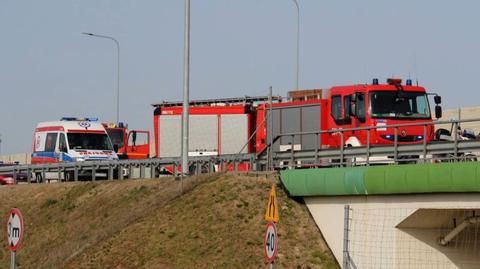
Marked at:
<point>13,262</point>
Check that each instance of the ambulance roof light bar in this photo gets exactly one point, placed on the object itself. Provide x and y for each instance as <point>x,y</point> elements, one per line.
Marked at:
<point>78,119</point>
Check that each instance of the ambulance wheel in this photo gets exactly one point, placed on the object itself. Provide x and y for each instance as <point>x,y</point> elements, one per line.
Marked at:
<point>38,177</point>
<point>68,176</point>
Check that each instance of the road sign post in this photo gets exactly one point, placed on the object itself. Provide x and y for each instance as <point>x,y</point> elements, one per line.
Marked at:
<point>14,233</point>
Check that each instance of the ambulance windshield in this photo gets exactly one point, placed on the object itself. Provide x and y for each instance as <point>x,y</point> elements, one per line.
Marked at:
<point>89,141</point>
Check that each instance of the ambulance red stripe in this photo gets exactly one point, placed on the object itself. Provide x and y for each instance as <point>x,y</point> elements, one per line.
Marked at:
<point>49,128</point>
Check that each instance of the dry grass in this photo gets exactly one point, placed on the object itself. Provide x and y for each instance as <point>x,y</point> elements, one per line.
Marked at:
<point>217,223</point>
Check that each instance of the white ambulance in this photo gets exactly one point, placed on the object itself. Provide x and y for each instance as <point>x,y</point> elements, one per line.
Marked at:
<point>71,140</point>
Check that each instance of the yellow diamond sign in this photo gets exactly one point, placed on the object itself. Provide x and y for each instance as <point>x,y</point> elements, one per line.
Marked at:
<point>271,211</point>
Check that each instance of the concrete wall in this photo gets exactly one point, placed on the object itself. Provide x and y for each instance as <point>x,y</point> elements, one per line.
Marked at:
<point>22,158</point>
<point>379,237</point>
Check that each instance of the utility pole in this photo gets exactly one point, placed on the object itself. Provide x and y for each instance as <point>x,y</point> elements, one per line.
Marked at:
<point>0,144</point>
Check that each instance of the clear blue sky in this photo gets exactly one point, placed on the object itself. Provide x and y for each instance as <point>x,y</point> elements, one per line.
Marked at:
<point>49,70</point>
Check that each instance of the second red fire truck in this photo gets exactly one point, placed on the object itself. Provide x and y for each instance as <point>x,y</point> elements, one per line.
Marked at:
<point>134,144</point>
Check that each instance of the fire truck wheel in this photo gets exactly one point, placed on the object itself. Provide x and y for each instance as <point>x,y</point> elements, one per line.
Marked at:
<point>38,178</point>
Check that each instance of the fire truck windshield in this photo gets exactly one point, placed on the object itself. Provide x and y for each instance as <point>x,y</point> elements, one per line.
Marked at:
<point>399,105</point>
<point>116,135</point>
<point>89,141</point>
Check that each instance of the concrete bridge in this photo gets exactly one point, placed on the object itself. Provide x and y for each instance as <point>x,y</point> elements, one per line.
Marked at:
<point>395,216</point>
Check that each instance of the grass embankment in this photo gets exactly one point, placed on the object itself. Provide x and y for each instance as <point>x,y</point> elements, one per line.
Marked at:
<point>217,223</point>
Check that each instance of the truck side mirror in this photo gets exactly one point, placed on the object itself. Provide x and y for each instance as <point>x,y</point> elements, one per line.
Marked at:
<point>437,99</point>
<point>438,111</point>
<point>115,147</point>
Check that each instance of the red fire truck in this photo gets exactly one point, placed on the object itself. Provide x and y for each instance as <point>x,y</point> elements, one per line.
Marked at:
<point>134,144</point>
<point>354,106</point>
<point>224,126</point>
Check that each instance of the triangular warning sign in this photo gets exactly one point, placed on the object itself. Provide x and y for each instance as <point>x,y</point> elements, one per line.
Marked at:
<point>271,211</point>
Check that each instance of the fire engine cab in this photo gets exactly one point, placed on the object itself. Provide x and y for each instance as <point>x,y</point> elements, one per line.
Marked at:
<point>134,144</point>
<point>378,105</point>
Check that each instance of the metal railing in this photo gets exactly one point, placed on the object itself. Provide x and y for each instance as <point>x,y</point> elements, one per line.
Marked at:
<point>120,169</point>
<point>394,152</point>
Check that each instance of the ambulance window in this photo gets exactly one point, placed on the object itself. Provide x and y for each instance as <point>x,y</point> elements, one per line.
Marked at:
<point>50,142</point>
<point>62,143</point>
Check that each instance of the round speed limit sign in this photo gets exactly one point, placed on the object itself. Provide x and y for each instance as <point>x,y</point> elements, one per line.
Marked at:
<point>14,229</point>
<point>270,242</point>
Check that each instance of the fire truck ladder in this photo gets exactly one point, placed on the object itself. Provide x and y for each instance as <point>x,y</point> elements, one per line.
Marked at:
<point>229,101</point>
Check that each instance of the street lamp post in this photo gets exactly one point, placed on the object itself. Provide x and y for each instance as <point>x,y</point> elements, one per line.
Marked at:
<point>186,87</point>
<point>298,42</point>
<point>118,68</point>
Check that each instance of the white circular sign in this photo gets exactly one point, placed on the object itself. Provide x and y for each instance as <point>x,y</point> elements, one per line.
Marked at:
<point>270,242</point>
<point>14,229</point>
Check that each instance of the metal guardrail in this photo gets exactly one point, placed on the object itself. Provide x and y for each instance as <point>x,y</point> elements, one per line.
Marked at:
<point>89,170</point>
<point>454,150</point>
<point>396,152</point>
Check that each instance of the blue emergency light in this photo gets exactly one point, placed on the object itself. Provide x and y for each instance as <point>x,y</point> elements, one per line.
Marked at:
<point>78,119</point>
<point>68,118</point>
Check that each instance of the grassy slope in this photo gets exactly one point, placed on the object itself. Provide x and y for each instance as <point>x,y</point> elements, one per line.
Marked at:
<point>218,223</point>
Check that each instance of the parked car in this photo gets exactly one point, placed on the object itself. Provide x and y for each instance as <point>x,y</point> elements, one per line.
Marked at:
<point>8,179</point>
